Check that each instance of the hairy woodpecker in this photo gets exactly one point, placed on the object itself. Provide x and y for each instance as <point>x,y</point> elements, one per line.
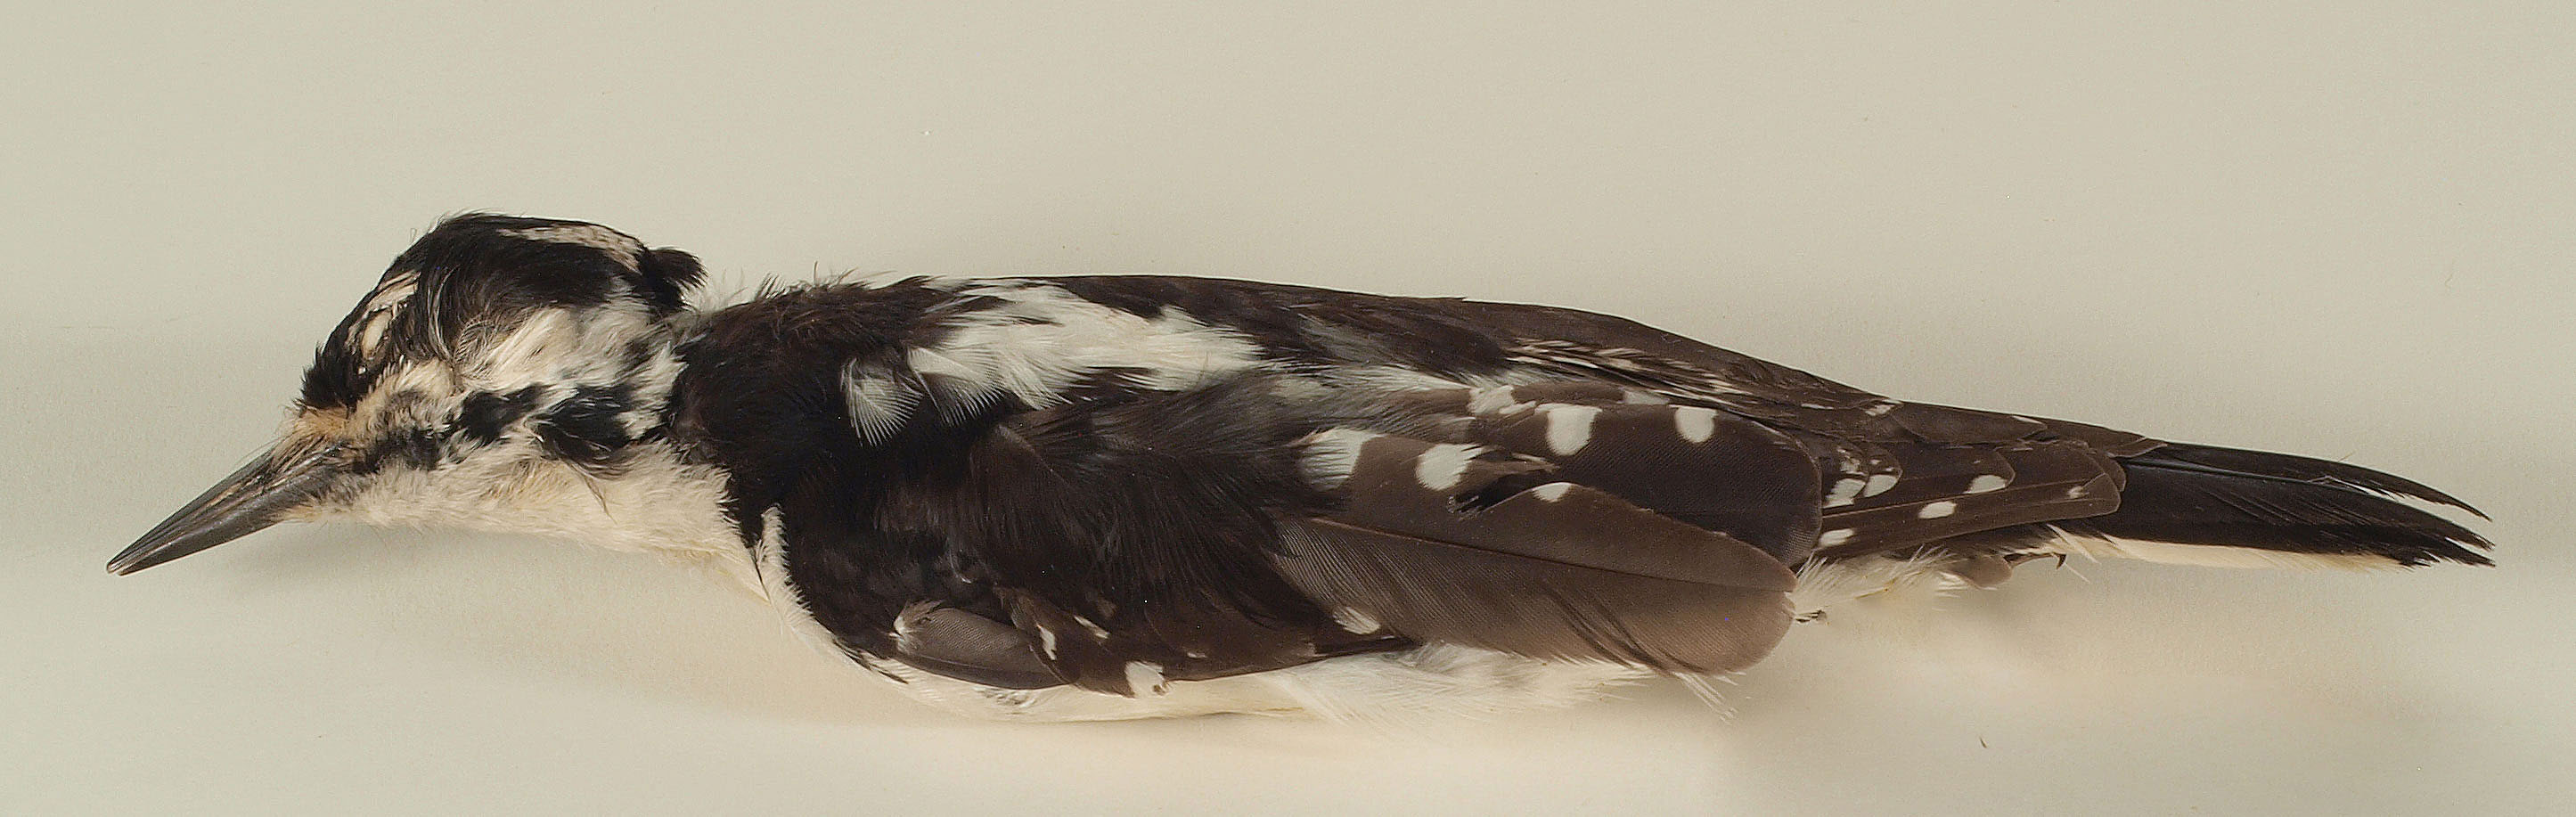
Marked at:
<point>1107,497</point>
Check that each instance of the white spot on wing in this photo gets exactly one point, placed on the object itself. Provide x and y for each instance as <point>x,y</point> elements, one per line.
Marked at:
<point>1834,537</point>
<point>1331,454</point>
<point>1845,490</point>
<point>1442,466</point>
<point>1985,483</point>
<point>1551,492</point>
<point>1937,510</point>
<point>1144,677</point>
<point>1878,484</point>
<point>1694,423</point>
<point>1046,642</point>
<point>1569,428</point>
<point>1490,399</point>
<point>1097,633</point>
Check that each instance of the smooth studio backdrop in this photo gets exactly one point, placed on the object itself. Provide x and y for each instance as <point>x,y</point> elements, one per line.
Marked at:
<point>2340,229</point>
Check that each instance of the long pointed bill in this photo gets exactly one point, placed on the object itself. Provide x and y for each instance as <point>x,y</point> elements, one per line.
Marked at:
<point>255,497</point>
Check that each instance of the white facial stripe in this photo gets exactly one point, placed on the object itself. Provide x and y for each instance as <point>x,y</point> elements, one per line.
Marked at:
<point>377,314</point>
<point>562,347</point>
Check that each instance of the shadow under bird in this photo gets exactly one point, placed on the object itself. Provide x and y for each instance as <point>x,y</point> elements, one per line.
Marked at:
<point>1129,496</point>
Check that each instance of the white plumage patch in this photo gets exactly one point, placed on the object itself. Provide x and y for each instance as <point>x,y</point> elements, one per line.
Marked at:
<point>2199,555</point>
<point>771,556</point>
<point>1442,466</point>
<point>1845,492</point>
<point>1144,678</point>
<point>878,403</point>
<point>1331,454</point>
<point>1569,427</point>
<point>1041,338</point>
<point>1431,682</point>
<point>1878,484</point>
<point>1694,423</point>
<point>617,245</point>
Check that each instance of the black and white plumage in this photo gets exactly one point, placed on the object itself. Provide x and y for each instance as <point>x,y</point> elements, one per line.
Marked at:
<point>1102,497</point>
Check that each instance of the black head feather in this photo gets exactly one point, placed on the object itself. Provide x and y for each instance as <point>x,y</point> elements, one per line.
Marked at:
<point>481,273</point>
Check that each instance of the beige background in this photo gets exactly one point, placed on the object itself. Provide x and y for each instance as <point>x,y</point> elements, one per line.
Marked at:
<point>2343,229</point>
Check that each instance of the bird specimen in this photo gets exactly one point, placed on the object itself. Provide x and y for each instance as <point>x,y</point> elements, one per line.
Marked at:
<point>1132,496</point>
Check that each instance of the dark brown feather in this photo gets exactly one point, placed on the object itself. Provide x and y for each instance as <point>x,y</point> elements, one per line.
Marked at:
<point>1559,571</point>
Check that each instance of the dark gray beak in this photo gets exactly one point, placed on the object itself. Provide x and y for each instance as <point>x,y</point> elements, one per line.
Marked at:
<point>255,497</point>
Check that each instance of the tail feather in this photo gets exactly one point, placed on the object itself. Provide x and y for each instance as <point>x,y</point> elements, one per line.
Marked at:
<point>2267,465</point>
<point>2297,510</point>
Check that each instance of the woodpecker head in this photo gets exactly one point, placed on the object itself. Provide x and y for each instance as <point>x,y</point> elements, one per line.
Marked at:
<point>498,362</point>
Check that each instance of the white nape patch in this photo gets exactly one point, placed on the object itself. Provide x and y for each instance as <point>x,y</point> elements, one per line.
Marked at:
<point>1355,620</point>
<point>1987,483</point>
<point>1443,466</point>
<point>1569,427</point>
<point>1430,682</point>
<point>1490,399</point>
<point>2184,553</point>
<point>1331,454</point>
<point>616,244</point>
<point>1878,484</point>
<point>1145,678</point>
<point>1694,423</point>
<point>1041,339</point>
<point>1936,510</point>
<point>1551,492</point>
<point>1833,537</point>
<point>1845,491</point>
